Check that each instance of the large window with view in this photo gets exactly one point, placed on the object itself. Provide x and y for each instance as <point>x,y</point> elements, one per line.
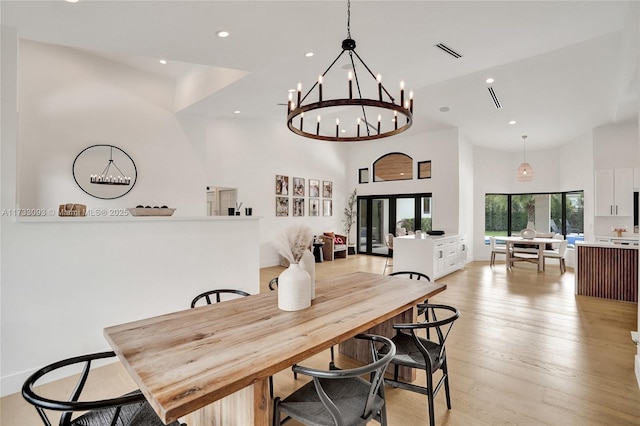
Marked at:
<point>557,212</point>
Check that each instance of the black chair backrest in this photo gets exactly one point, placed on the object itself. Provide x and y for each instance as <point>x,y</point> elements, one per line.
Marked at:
<point>273,284</point>
<point>411,275</point>
<point>72,404</point>
<point>441,326</point>
<point>375,370</point>
<point>207,296</point>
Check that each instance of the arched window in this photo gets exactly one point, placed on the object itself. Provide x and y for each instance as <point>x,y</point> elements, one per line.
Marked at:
<point>393,166</point>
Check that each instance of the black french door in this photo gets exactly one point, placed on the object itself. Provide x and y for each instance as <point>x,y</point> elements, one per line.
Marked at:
<point>380,215</point>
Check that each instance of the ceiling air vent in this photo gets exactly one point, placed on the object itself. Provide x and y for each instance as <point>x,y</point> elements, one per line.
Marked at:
<point>448,50</point>
<point>496,101</point>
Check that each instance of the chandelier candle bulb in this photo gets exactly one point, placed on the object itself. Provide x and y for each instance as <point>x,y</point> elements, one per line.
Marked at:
<point>301,118</point>
<point>350,85</point>
<point>401,93</point>
<point>337,127</point>
<point>358,126</point>
<point>289,102</point>
<point>395,119</point>
<point>318,126</point>
<point>320,88</point>
<point>379,78</point>
<point>411,101</point>
<point>299,92</point>
<point>379,119</point>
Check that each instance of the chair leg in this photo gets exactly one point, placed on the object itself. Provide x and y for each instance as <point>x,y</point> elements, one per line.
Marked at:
<point>445,371</point>
<point>493,258</point>
<point>432,414</point>
<point>271,386</point>
<point>332,363</point>
<point>276,412</point>
<point>563,266</point>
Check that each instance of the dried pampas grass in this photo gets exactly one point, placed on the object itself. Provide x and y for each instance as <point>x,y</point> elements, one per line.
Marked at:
<point>293,242</point>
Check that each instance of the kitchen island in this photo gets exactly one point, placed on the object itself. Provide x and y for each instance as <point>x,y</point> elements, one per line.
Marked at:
<point>607,270</point>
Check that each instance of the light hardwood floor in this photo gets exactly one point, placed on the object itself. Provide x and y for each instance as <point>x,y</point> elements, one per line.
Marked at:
<point>525,351</point>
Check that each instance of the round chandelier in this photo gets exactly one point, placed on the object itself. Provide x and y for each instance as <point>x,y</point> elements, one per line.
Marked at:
<point>357,117</point>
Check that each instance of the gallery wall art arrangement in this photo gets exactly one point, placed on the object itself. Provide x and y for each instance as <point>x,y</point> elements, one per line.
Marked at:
<point>301,195</point>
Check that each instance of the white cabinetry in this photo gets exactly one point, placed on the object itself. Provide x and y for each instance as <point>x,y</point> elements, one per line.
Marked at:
<point>614,192</point>
<point>433,256</point>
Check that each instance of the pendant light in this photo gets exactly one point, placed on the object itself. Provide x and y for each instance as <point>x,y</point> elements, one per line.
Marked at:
<point>525,171</point>
<point>358,122</point>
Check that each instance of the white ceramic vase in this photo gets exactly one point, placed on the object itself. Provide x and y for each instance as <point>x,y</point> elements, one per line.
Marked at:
<point>308,263</point>
<point>294,288</point>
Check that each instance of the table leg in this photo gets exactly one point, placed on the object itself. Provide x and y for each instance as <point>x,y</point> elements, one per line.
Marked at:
<point>508,262</point>
<point>248,406</point>
<point>360,350</point>
<point>541,257</point>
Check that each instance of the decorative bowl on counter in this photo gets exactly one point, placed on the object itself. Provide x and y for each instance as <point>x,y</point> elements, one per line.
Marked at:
<point>151,211</point>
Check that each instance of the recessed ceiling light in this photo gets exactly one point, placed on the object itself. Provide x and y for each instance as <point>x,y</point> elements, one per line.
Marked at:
<point>308,54</point>
<point>512,122</point>
<point>444,109</point>
<point>72,1</point>
<point>236,111</point>
<point>222,34</point>
<point>163,61</point>
<point>489,80</point>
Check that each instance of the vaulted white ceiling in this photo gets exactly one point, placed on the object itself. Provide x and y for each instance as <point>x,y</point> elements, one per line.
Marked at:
<point>560,67</point>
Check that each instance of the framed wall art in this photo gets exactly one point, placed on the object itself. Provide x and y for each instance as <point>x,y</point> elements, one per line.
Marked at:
<point>327,189</point>
<point>314,207</point>
<point>314,188</point>
<point>282,206</point>
<point>282,185</point>
<point>298,206</point>
<point>363,175</point>
<point>327,207</point>
<point>298,187</point>
<point>424,170</point>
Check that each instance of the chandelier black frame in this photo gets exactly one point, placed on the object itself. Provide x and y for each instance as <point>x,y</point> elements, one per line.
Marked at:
<point>295,111</point>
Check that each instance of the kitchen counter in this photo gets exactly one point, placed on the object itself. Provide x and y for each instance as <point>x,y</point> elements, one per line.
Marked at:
<point>607,270</point>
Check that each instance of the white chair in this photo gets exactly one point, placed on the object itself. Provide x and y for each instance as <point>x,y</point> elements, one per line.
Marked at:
<point>496,249</point>
<point>389,242</point>
<point>557,254</point>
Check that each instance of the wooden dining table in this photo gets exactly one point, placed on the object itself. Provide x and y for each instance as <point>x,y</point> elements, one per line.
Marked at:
<point>536,256</point>
<point>210,365</point>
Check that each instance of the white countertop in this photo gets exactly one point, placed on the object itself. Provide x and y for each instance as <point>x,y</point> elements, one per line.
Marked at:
<point>627,245</point>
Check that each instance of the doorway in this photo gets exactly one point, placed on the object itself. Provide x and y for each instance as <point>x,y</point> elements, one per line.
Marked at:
<point>220,200</point>
<point>381,215</point>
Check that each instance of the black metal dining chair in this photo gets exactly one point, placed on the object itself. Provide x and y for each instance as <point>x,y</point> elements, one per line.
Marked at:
<point>131,409</point>
<point>429,355</point>
<point>419,276</point>
<point>208,296</point>
<point>340,397</point>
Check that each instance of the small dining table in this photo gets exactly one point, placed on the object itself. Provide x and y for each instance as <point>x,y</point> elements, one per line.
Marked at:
<point>210,365</point>
<point>538,243</point>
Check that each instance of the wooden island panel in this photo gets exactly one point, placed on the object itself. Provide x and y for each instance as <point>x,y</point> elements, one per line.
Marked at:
<point>609,272</point>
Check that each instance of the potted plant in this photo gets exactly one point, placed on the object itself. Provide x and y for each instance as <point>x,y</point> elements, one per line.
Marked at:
<point>350,214</point>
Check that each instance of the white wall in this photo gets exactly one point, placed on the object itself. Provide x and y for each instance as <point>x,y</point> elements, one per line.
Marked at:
<point>248,154</point>
<point>64,279</point>
<point>70,100</point>
<point>441,148</point>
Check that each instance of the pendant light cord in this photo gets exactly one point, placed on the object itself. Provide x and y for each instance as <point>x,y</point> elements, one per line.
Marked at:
<point>348,18</point>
